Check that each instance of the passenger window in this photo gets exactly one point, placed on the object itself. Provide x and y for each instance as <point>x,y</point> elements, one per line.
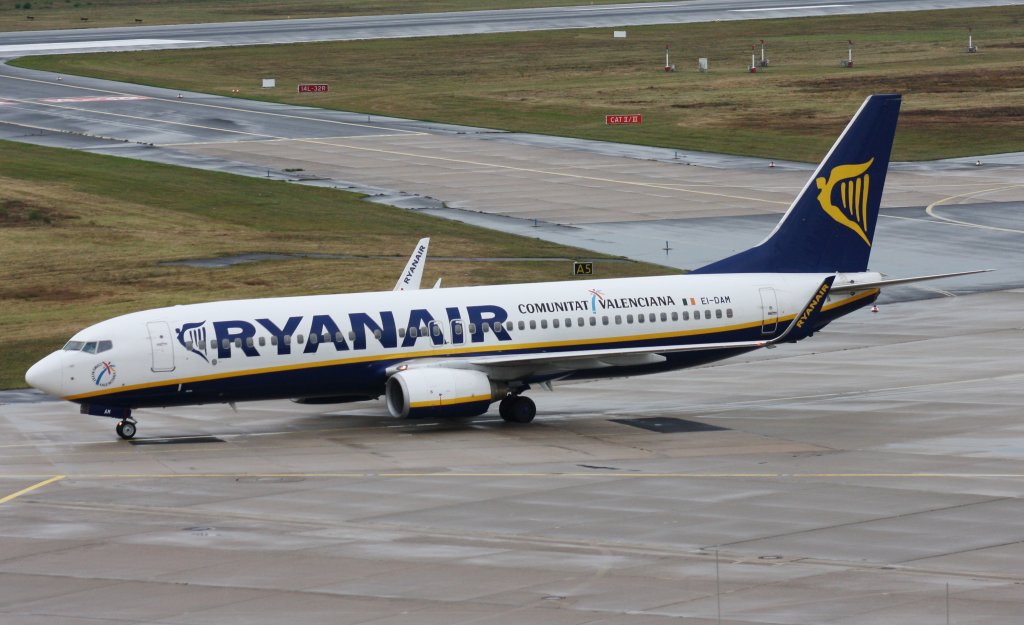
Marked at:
<point>580,321</point>
<point>213,344</point>
<point>522,325</point>
<point>554,323</point>
<point>568,322</point>
<point>104,346</point>
<point>339,337</point>
<point>313,339</point>
<point>248,341</point>
<point>376,334</point>
<point>664,317</point>
<point>593,321</point>
<point>413,332</point>
<point>629,318</point>
<point>458,329</point>
<point>299,339</point>
<point>351,335</point>
<point>675,316</point>
<point>544,324</point>
<point>188,345</point>
<point>225,344</point>
<point>485,327</point>
<point>533,324</point>
<point>263,341</point>
<point>90,347</point>
<point>435,330</point>
<point>287,339</point>
<point>238,343</point>
<point>651,317</point>
<point>401,333</point>
<point>273,340</point>
<point>707,314</point>
<point>604,320</point>
<point>728,312</point>
<point>618,320</point>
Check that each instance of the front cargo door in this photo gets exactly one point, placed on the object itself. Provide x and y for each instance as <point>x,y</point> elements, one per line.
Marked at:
<point>160,341</point>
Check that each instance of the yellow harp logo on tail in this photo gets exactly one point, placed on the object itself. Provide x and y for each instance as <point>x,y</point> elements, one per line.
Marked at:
<point>854,187</point>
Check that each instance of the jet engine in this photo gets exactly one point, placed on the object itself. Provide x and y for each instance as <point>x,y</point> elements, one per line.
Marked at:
<point>439,392</point>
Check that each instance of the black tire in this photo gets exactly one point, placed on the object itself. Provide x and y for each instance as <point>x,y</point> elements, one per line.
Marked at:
<point>505,407</point>
<point>125,429</point>
<point>521,410</point>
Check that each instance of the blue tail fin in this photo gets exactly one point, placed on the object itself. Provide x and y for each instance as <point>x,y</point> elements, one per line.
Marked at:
<point>830,226</point>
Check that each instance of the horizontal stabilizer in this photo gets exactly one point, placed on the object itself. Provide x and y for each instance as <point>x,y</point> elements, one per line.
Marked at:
<point>878,284</point>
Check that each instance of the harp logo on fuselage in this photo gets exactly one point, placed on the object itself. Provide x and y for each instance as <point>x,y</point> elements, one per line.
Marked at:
<point>854,189</point>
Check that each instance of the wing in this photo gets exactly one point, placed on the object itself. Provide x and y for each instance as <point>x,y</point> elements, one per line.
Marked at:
<point>413,272</point>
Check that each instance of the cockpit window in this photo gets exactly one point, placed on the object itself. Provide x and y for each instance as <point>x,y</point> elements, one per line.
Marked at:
<point>92,347</point>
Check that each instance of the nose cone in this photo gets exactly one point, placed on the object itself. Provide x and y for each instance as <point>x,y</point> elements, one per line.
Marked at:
<point>46,375</point>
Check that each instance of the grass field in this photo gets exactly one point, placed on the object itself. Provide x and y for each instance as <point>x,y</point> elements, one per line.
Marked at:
<point>82,237</point>
<point>52,14</point>
<point>565,82</point>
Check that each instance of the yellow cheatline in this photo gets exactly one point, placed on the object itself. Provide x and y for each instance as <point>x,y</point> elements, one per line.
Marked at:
<point>459,351</point>
<point>450,401</point>
<point>12,496</point>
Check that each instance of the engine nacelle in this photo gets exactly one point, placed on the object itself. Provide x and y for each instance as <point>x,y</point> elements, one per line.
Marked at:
<point>439,392</point>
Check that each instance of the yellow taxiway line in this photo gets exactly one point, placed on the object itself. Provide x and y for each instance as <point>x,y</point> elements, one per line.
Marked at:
<point>13,496</point>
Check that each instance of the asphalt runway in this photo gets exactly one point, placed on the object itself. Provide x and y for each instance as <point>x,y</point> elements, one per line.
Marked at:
<point>849,479</point>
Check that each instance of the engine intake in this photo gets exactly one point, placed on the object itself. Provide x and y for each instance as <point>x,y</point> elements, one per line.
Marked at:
<point>439,392</point>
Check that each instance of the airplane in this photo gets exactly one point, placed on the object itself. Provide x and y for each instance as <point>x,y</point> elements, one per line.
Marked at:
<point>453,352</point>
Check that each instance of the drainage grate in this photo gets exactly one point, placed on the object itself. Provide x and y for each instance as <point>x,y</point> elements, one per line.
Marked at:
<point>180,440</point>
<point>669,425</point>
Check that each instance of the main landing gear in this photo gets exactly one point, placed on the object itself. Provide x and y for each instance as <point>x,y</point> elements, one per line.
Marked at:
<point>125,428</point>
<point>517,409</point>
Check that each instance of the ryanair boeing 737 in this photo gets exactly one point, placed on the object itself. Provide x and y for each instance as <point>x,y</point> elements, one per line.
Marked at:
<point>455,351</point>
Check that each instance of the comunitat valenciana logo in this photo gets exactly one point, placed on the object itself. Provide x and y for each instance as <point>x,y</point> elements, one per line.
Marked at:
<point>104,374</point>
<point>854,189</point>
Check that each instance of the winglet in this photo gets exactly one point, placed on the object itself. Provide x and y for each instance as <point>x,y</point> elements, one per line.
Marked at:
<point>413,272</point>
<point>805,324</point>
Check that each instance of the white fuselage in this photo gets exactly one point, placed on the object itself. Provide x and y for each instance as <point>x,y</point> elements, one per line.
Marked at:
<point>342,345</point>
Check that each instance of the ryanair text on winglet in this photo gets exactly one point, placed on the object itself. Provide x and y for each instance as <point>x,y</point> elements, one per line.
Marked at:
<point>822,292</point>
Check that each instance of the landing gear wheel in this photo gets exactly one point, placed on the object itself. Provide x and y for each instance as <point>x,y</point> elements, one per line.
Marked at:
<point>125,429</point>
<point>517,409</point>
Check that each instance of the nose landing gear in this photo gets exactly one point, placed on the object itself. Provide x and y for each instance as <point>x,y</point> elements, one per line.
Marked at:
<point>125,428</point>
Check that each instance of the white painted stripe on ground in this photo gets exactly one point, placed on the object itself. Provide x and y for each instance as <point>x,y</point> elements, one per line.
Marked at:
<point>77,45</point>
<point>800,8</point>
<point>112,98</point>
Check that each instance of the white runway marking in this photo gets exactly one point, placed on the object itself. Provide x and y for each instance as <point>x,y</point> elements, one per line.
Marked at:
<point>112,98</point>
<point>801,8</point>
<point>78,45</point>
